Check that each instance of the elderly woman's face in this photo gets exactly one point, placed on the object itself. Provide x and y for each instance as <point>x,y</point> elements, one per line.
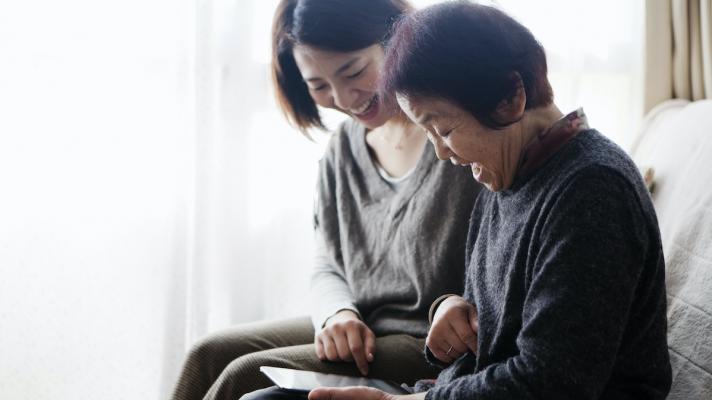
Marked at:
<point>459,137</point>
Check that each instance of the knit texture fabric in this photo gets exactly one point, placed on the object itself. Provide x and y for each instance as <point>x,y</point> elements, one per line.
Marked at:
<point>397,250</point>
<point>567,273</point>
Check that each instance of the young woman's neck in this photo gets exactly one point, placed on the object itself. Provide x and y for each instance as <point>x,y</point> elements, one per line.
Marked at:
<point>396,145</point>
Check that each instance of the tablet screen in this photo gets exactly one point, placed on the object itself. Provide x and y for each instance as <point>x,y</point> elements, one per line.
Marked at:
<point>305,381</point>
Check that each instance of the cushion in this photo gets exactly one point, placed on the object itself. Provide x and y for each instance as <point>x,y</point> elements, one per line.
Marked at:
<point>676,142</point>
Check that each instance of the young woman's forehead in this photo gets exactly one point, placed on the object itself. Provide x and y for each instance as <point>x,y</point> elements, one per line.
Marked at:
<point>317,61</point>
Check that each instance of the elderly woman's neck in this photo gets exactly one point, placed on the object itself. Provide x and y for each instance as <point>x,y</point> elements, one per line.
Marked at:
<point>538,120</point>
<point>520,134</point>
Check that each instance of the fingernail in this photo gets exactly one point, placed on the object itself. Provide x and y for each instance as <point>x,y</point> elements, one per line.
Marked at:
<point>370,356</point>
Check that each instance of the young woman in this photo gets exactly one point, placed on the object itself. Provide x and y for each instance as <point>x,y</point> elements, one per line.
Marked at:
<point>391,221</point>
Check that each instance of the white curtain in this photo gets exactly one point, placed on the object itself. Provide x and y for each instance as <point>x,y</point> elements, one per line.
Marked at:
<point>678,60</point>
<point>96,165</point>
<point>151,192</point>
<point>595,55</point>
<point>255,178</point>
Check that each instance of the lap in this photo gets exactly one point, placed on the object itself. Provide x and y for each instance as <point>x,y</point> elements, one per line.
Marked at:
<point>253,337</point>
<point>205,367</point>
<point>398,358</point>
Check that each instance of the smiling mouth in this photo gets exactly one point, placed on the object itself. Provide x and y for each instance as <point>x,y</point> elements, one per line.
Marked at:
<point>476,170</point>
<point>365,107</point>
<point>457,162</point>
<point>460,162</point>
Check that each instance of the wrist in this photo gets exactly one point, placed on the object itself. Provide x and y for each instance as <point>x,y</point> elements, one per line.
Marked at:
<point>342,315</point>
<point>436,304</point>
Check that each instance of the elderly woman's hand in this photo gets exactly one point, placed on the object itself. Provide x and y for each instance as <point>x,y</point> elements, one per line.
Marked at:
<point>346,338</point>
<point>359,393</point>
<point>454,330</point>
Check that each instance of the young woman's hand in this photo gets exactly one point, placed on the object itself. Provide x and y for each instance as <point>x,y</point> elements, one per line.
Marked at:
<point>454,330</point>
<point>346,338</point>
<point>359,393</point>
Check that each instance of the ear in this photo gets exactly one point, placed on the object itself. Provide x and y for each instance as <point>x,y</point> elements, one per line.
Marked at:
<point>511,110</point>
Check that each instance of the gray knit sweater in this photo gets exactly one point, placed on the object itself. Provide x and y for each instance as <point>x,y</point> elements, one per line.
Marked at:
<point>396,250</point>
<point>567,273</point>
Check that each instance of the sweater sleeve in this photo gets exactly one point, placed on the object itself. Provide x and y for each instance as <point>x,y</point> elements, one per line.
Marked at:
<point>329,292</point>
<point>590,251</point>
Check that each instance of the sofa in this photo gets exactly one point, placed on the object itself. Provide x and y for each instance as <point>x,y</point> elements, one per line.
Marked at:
<point>674,149</point>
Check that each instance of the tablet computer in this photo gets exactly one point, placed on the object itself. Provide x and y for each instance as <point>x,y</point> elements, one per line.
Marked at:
<point>305,381</point>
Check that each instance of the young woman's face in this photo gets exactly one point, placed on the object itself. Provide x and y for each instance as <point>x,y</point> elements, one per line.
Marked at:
<point>346,82</point>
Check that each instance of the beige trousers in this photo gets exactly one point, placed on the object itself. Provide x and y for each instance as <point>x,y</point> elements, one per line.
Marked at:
<point>225,365</point>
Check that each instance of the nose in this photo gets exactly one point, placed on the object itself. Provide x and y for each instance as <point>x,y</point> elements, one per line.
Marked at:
<point>344,97</point>
<point>441,150</point>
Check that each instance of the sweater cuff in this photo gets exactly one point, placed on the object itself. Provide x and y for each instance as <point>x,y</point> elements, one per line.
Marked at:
<point>435,305</point>
<point>319,321</point>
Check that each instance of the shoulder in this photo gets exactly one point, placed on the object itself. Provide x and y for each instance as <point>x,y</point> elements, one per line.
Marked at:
<point>592,151</point>
<point>591,179</point>
<point>343,140</point>
<point>602,194</point>
<point>593,163</point>
<point>343,154</point>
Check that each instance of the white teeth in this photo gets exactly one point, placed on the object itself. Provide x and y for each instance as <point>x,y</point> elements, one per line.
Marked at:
<point>456,161</point>
<point>363,107</point>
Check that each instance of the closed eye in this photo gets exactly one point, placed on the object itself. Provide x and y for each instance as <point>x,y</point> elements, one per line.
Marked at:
<point>357,74</point>
<point>445,134</point>
<point>318,88</point>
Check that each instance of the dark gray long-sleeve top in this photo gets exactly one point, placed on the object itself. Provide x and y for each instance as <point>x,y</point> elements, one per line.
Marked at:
<point>567,273</point>
<point>395,250</point>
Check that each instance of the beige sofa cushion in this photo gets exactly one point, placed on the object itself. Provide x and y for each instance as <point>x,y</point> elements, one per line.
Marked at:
<point>676,141</point>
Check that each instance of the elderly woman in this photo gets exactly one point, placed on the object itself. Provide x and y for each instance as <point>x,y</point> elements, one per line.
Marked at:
<point>565,281</point>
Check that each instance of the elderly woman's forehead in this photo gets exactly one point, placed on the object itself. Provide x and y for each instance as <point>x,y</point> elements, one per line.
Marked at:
<point>424,109</point>
<point>411,107</point>
<point>416,104</point>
